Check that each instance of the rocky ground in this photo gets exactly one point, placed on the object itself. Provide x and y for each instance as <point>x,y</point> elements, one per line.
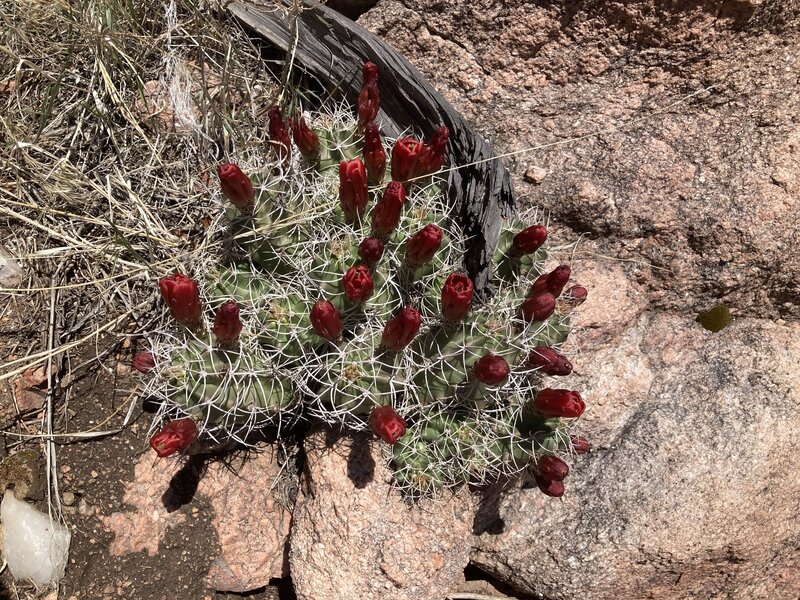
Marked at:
<point>665,134</point>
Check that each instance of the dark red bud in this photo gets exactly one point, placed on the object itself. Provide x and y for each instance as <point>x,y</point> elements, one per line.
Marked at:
<point>552,282</point>
<point>227,324</point>
<point>550,487</point>
<point>236,186</point>
<point>326,320</point>
<point>374,154</point>
<point>552,468</point>
<point>386,214</point>
<point>279,134</point>
<point>176,435</point>
<point>144,362</point>
<point>580,445</point>
<point>405,154</point>
<point>556,403</point>
<point>358,284</point>
<point>353,189</point>
<point>431,155</point>
<point>549,362</point>
<point>529,240</point>
<point>183,299</point>
<point>370,250</point>
<point>491,369</point>
<point>457,295</point>
<point>369,72</point>
<point>576,295</point>
<point>387,424</point>
<point>306,139</point>
<point>401,329</point>
<point>538,308</point>
<point>369,103</point>
<point>421,246</point>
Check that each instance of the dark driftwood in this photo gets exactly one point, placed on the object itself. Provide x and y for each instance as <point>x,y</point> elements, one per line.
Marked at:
<point>332,49</point>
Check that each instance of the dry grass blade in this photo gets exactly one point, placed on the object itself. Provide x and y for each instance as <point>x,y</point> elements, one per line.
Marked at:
<point>113,116</point>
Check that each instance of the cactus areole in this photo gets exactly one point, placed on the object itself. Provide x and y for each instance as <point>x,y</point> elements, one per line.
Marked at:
<point>344,300</point>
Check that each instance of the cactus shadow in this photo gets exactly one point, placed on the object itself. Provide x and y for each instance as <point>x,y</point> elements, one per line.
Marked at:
<point>487,517</point>
<point>183,485</point>
<point>360,464</point>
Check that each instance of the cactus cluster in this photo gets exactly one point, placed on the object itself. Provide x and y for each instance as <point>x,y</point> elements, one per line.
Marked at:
<point>342,298</point>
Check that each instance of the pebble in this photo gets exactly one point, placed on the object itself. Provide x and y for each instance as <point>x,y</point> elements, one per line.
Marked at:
<point>68,498</point>
<point>535,175</point>
<point>10,271</point>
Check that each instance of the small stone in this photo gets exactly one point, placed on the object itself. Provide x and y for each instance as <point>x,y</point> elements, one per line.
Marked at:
<point>68,498</point>
<point>535,175</point>
<point>10,271</point>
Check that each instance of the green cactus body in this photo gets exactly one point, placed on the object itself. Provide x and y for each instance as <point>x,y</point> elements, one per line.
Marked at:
<point>225,387</point>
<point>292,250</point>
<point>359,376</point>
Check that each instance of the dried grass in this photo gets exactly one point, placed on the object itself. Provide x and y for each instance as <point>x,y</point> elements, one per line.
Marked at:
<point>113,116</point>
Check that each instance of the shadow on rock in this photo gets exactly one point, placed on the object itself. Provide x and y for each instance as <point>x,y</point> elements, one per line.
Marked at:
<point>360,464</point>
<point>183,485</point>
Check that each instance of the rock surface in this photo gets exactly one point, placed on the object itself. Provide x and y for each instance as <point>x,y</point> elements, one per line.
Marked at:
<point>696,186</point>
<point>250,524</point>
<point>353,536</point>
<point>690,491</point>
<point>666,134</point>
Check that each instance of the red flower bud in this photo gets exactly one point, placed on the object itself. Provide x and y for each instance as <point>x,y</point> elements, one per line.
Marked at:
<point>305,137</point>
<point>278,134</point>
<point>369,102</point>
<point>549,362</point>
<point>326,320</point>
<point>183,299</point>
<point>580,445</point>
<point>144,362</point>
<point>491,369</point>
<point>369,72</point>
<point>538,308</point>
<point>175,436</point>
<point>550,487</point>
<point>386,214</point>
<point>405,154</point>
<point>400,330</point>
<point>552,282</point>
<point>236,186</point>
<point>457,295</point>
<point>370,250</point>
<point>552,468</point>
<point>374,154</point>
<point>358,284</point>
<point>559,403</point>
<point>421,246</point>
<point>227,325</point>
<point>431,156</point>
<point>576,295</point>
<point>529,240</point>
<point>353,189</point>
<point>387,424</point>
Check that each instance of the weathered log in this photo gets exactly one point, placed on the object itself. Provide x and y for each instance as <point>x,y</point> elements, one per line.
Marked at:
<point>332,48</point>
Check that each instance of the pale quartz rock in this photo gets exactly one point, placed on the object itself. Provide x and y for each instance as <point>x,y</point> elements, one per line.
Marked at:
<point>34,546</point>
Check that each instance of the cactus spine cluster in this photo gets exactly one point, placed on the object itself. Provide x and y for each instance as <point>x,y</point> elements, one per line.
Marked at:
<point>343,299</point>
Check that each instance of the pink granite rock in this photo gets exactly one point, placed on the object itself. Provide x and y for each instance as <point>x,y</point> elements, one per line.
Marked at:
<point>354,536</point>
<point>249,520</point>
